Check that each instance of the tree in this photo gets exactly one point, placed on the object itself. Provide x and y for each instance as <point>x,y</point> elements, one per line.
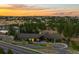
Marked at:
<point>31,27</point>
<point>10,51</point>
<point>11,31</point>
<point>68,31</point>
<point>76,29</point>
<point>60,27</point>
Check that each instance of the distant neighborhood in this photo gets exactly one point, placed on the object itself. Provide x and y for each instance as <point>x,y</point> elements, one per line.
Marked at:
<point>40,30</point>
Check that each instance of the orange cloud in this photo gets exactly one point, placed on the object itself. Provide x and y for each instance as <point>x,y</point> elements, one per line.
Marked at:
<point>25,10</point>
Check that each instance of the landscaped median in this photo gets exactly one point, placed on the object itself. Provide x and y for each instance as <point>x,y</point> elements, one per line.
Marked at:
<point>26,48</point>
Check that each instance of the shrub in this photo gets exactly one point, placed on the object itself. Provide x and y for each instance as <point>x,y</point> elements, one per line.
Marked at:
<point>10,51</point>
<point>2,51</point>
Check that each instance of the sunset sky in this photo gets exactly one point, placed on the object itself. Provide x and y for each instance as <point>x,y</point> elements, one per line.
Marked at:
<point>39,10</point>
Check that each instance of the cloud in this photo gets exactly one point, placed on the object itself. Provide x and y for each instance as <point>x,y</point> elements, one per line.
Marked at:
<point>32,10</point>
<point>20,6</point>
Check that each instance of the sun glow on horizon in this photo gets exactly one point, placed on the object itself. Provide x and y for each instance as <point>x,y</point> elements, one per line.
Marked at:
<point>25,10</point>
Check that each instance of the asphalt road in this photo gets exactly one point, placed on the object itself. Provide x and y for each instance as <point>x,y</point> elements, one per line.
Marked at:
<point>16,49</point>
<point>60,49</point>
